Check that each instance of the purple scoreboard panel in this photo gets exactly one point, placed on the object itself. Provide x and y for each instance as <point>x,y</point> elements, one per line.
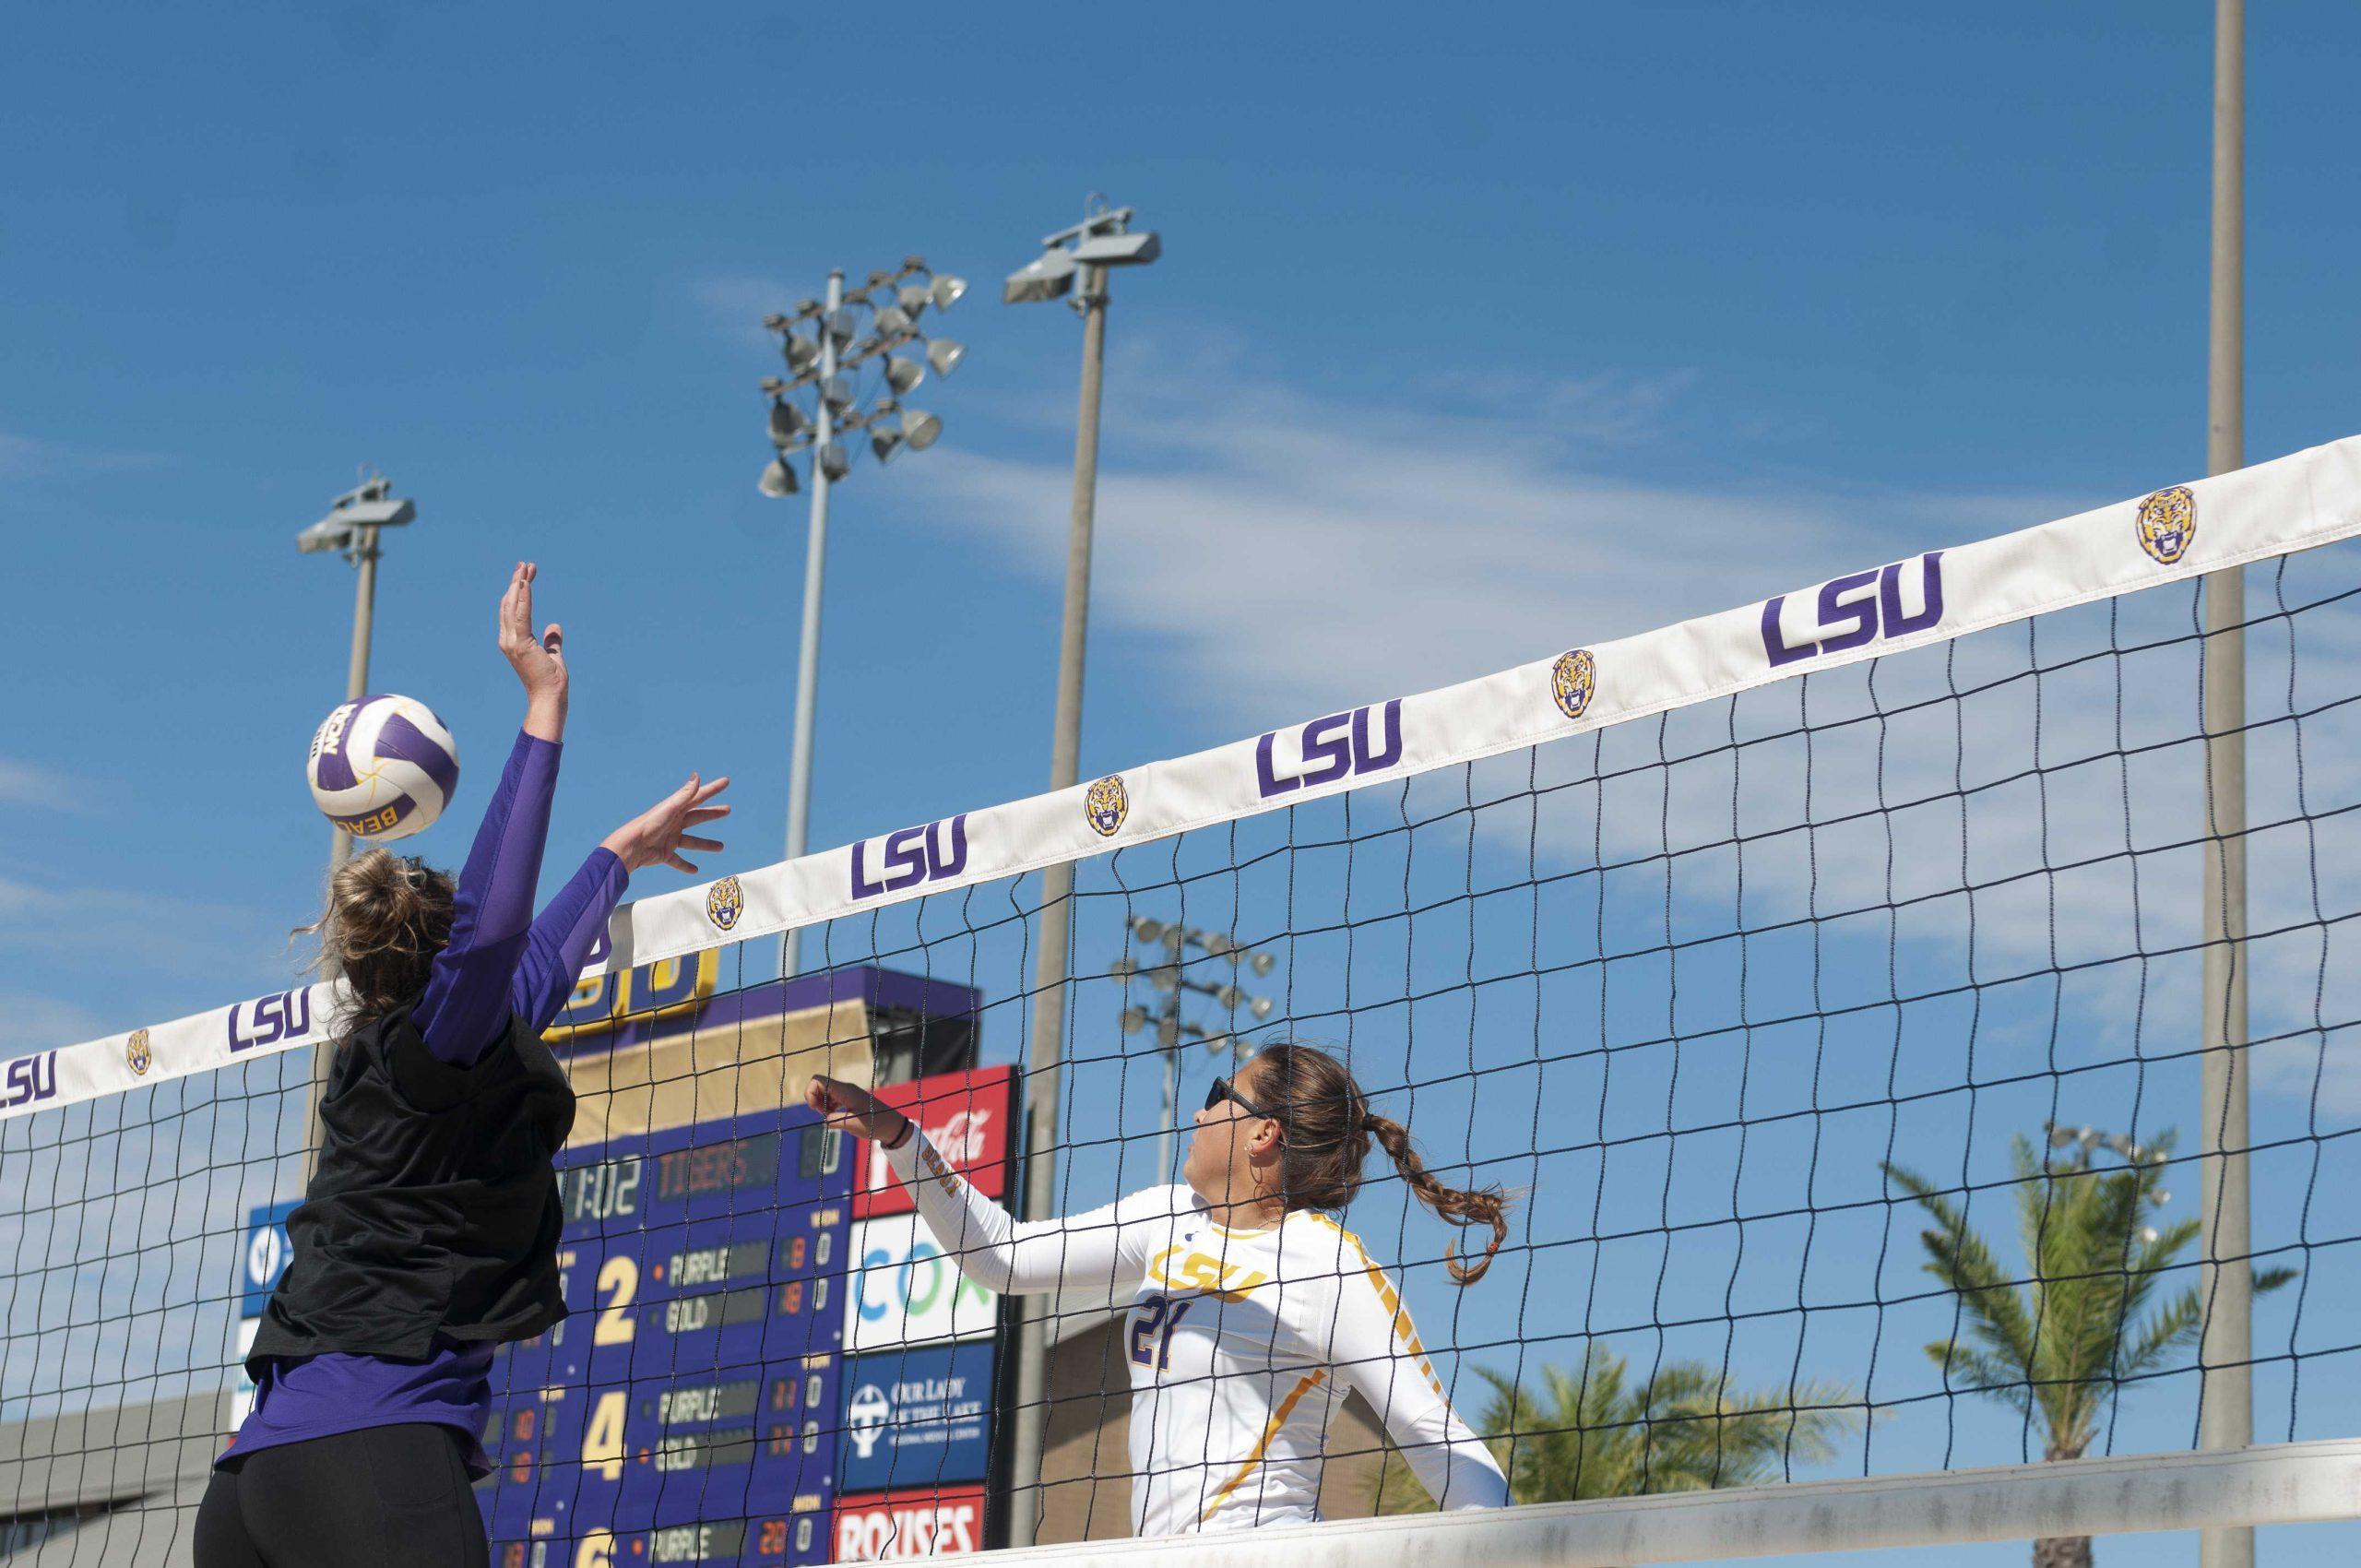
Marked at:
<point>686,1412</point>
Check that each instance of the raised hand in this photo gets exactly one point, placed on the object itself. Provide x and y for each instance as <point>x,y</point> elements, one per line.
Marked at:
<point>658,835</point>
<point>855,1108</point>
<point>539,662</point>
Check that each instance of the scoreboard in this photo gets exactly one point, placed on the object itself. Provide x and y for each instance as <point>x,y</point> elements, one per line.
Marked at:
<point>687,1409</point>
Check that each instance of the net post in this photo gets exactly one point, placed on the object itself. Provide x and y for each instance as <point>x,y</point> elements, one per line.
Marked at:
<point>2227,1348</point>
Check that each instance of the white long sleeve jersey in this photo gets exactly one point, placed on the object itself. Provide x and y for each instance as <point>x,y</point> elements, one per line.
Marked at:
<point>1241,1345</point>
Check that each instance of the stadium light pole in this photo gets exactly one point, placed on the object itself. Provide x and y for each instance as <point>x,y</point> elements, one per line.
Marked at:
<point>2226,1351</point>
<point>827,363</point>
<point>1073,260</point>
<point>1169,974</point>
<point>351,528</point>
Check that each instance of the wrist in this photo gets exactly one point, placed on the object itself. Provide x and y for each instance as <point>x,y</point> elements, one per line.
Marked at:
<point>901,1135</point>
<point>545,715</point>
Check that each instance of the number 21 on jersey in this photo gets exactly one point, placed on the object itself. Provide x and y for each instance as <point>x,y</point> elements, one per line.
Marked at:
<point>1153,1323</point>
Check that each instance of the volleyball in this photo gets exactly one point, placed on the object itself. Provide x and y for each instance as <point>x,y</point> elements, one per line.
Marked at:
<point>382,767</point>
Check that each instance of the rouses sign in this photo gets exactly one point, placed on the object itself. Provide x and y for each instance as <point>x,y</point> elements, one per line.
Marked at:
<point>888,1526</point>
<point>965,1115</point>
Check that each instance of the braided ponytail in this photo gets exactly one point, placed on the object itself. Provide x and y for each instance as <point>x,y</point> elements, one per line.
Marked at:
<point>1485,1205</point>
<point>1328,1126</point>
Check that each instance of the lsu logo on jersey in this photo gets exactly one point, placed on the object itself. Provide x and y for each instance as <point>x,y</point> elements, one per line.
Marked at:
<point>270,1020</point>
<point>1201,1271</point>
<point>1857,608</point>
<point>1573,680</point>
<point>138,1053</point>
<point>724,902</point>
<point>2167,524</point>
<point>1339,745</point>
<point>1106,805</point>
<point>929,853</point>
<point>29,1080</point>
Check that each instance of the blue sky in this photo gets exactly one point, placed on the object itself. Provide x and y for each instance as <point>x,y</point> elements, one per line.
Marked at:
<point>1471,340</point>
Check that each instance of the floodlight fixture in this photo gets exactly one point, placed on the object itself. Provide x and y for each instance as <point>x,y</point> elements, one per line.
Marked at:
<point>787,424</point>
<point>902,374</point>
<point>775,322</point>
<point>325,534</point>
<point>839,393</point>
<point>804,307</point>
<point>884,440</point>
<point>913,298</point>
<point>773,385</point>
<point>945,354</point>
<point>1260,963</point>
<point>1123,968</point>
<point>1119,250</point>
<point>921,429</point>
<point>778,480</point>
<point>1147,928</point>
<point>1046,277</point>
<point>834,461</point>
<point>802,352</point>
<point>842,324</point>
<point>946,290</point>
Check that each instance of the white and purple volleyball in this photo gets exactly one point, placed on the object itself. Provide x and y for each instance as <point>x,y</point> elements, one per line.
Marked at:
<point>382,767</point>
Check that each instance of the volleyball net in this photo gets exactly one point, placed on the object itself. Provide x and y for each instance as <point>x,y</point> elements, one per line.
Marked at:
<point>1822,979</point>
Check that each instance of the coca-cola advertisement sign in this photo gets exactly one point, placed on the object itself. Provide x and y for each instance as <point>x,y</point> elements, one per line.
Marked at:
<point>965,1115</point>
<point>885,1527</point>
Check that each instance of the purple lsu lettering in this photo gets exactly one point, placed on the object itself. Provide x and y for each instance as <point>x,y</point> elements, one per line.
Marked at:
<point>31,1079</point>
<point>285,1017</point>
<point>1850,617</point>
<point>1335,746</point>
<point>913,855</point>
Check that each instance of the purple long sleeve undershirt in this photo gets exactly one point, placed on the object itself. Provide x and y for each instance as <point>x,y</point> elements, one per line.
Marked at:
<point>494,967</point>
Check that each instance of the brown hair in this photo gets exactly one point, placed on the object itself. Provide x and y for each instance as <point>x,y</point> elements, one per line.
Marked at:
<point>387,916</point>
<point>1327,1124</point>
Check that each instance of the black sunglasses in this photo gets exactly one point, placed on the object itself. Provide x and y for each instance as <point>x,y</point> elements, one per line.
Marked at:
<point>1222,1089</point>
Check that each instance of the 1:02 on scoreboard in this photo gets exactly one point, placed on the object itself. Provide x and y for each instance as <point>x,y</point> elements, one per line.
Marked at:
<point>613,1189</point>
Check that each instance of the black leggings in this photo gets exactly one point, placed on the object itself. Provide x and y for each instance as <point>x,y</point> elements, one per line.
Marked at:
<point>382,1497</point>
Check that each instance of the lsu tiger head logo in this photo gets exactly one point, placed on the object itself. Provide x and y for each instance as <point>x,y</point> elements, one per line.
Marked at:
<point>1107,805</point>
<point>724,902</point>
<point>140,1054</point>
<point>1573,681</point>
<point>2167,522</point>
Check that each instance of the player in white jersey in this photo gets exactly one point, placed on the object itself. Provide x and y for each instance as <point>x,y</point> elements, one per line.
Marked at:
<point>1254,1312</point>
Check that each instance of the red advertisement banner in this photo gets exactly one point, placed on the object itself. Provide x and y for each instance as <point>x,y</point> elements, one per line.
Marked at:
<point>886,1526</point>
<point>965,1115</point>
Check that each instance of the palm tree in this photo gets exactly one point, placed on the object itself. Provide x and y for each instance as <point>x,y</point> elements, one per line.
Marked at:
<point>1591,1432</point>
<point>2060,1341</point>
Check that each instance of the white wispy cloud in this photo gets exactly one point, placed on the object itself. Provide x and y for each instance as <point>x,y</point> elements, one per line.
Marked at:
<point>33,784</point>
<point>94,928</point>
<point>1299,555</point>
<point>1305,554</point>
<point>26,456</point>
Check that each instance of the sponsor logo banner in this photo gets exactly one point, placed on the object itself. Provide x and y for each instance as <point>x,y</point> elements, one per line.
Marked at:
<point>263,1257</point>
<point>916,1419</point>
<point>888,1527</point>
<point>905,1291</point>
<point>965,1116</point>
